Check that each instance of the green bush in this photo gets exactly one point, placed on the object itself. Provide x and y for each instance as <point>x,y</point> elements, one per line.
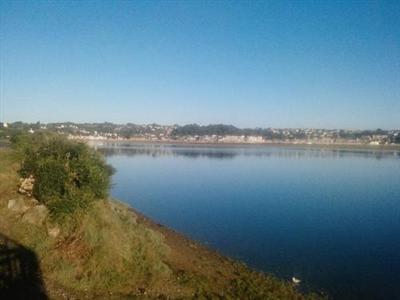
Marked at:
<point>68,175</point>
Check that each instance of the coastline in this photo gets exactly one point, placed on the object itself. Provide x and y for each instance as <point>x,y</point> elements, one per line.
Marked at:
<point>338,146</point>
<point>191,269</point>
<point>189,256</point>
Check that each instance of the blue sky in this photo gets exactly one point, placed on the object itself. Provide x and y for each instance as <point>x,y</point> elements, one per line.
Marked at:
<point>326,64</point>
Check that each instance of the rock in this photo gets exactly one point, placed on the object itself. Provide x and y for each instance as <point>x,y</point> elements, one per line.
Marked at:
<point>54,232</point>
<point>36,215</point>
<point>18,205</point>
<point>26,186</point>
<point>33,201</point>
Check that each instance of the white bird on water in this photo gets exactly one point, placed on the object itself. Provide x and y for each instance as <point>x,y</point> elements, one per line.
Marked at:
<point>295,280</point>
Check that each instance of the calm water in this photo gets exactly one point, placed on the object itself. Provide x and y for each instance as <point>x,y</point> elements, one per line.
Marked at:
<point>330,218</point>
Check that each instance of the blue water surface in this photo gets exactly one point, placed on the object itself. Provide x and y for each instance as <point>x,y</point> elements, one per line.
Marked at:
<point>328,217</point>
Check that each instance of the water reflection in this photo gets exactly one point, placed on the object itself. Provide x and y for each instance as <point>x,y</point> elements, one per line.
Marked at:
<point>330,217</point>
<point>223,152</point>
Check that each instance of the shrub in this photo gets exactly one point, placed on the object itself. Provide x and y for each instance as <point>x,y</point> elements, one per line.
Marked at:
<point>69,175</point>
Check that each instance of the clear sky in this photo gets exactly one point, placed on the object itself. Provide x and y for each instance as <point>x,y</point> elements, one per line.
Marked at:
<point>326,64</point>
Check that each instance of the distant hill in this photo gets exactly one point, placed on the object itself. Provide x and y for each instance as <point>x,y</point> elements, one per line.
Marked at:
<point>206,133</point>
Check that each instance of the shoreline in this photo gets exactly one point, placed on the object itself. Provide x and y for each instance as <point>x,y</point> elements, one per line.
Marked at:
<point>191,256</point>
<point>166,264</point>
<point>361,147</point>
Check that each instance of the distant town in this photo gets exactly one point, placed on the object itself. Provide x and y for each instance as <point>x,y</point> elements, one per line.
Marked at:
<point>194,133</point>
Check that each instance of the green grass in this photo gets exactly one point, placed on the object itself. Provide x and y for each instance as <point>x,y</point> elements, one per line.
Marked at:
<point>106,253</point>
<point>101,251</point>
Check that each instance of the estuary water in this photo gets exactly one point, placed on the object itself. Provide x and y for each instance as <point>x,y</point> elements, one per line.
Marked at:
<point>328,217</point>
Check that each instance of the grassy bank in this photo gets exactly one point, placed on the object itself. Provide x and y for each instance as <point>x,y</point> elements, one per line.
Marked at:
<point>113,252</point>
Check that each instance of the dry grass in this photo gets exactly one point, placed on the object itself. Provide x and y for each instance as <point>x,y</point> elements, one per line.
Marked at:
<point>112,252</point>
<point>8,174</point>
<point>109,252</point>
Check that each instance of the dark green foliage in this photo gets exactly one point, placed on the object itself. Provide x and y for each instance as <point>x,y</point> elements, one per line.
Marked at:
<point>218,129</point>
<point>221,129</point>
<point>68,175</point>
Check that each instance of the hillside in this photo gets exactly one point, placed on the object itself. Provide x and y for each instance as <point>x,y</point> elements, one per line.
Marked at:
<point>213,133</point>
<point>111,252</point>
